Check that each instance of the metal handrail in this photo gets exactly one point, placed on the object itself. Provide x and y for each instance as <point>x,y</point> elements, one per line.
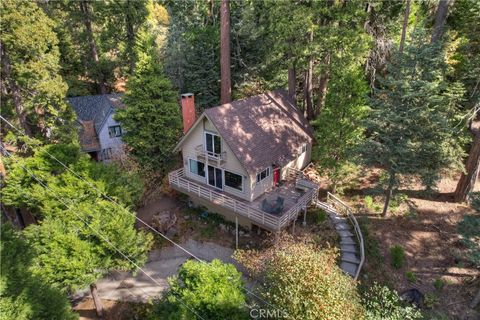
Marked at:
<point>356,227</point>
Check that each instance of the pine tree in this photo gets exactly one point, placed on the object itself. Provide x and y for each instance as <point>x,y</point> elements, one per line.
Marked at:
<point>339,129</point>
<point>411,127</point>
<point>152,115</point>
<point>32,89</point>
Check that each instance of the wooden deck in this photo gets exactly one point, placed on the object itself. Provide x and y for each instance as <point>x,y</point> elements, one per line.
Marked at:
<point>298,194</point>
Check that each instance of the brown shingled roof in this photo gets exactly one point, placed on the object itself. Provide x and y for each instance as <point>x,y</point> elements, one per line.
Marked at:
<point>262,130</point>
<point>88,137</point>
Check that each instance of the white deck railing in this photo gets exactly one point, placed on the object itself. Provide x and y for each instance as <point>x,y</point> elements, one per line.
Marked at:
<point>266,220</point>
<point>217,159</point>
<point>356,227</point>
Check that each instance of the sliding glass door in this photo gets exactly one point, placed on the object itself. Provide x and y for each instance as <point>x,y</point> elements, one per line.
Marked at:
<point>215,177</point>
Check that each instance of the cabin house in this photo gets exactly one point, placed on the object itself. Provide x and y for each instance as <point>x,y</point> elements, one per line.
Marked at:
<point>244,160</point>
<point>100,135</point>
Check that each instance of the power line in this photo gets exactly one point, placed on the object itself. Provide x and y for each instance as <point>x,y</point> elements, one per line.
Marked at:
<point>125,210</point>
<point>96,231</point>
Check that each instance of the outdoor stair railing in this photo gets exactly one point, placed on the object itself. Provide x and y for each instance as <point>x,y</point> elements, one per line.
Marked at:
<point>351,217</point>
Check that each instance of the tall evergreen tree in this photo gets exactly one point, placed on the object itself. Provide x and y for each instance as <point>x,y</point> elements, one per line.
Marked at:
<point>411,127</point>
<point>225,77</point>
<point>32,89</point>
<point>152,117</point>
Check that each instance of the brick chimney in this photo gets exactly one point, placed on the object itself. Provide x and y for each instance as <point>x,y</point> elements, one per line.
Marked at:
<point>188,111</point>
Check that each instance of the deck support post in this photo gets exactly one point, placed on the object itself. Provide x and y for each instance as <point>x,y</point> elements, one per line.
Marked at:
<point>236,231</point>
<point>293,226</point>
<point>305,216</point>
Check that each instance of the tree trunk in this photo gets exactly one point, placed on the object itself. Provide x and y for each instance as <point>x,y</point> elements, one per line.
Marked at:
<point>96,300</point>
<point>322,92</point>
<point>15,91</point>
<point>389,193</point>
<point>225,79</point>
<point>472,167</point>
<point>292,82</point>
<point>440,18</point>
<point>87,21</point>
<point>130,36</point>
<point>309,86</point>
<point>308,92</point>
<point>405,24</point>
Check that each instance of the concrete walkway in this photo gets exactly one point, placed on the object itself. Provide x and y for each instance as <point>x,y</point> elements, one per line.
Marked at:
<point>161,264</point>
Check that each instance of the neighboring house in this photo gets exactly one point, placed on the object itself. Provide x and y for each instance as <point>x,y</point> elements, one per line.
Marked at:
<point>243,160</point>
<point>100,135</point>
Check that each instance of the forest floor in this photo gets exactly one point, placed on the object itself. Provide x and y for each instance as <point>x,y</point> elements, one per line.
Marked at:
<point>425,226</point>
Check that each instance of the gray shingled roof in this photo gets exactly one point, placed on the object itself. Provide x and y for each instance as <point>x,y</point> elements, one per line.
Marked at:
<point>96,108</point>
<point>262,130</point>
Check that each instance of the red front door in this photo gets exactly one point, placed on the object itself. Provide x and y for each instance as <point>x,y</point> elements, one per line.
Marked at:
<point>276,176</point>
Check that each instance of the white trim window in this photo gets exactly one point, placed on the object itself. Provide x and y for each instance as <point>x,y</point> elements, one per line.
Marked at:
<point>263,175</point>
<point>213,144</point>
<point>303,149</point>
<point>196,167</point>
<point>233,180</point>
<point>115,131</point>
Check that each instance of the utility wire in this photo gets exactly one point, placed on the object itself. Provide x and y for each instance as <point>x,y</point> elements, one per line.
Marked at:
<point>125,210</point>
<point>95,231</point>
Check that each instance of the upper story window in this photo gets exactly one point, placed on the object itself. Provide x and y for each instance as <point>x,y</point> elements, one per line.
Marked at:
<point>213,144</point>
<point>263,175</point>
<point>303,149</point>
<point>115,131</point>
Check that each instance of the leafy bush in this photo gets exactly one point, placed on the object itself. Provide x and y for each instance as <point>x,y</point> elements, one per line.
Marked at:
<point>321,216</point>
<point>213,290</point>
<point>370,204</point>
<point>397,200</point>
<point>303,281</point>
<point>398,256</point>
<point>411,277</point>
<point>23,295</point>
<point>438,284</point>
<point>383,303</point>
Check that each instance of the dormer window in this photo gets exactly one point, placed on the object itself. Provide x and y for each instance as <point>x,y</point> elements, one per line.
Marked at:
<point>213,144</point>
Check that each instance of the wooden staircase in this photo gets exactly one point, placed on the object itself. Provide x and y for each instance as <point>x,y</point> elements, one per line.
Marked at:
<point>351,239</point>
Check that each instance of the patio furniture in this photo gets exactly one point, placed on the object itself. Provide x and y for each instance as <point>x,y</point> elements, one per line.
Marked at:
<point>273,208</point>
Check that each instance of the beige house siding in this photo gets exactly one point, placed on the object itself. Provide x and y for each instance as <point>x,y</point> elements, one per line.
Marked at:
<point>299,163</point>
<point>195,138</point>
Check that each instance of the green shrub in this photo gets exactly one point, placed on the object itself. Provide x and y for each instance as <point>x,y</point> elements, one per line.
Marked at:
<point>397,200</point>
<point>397,255</point>
<point>371,204</point>
<point>383,303</point>
<point>438,284</point>
<point>326,293</point>
<point>321,216</point>
<point>212,290</point>
<point>411,277</point>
